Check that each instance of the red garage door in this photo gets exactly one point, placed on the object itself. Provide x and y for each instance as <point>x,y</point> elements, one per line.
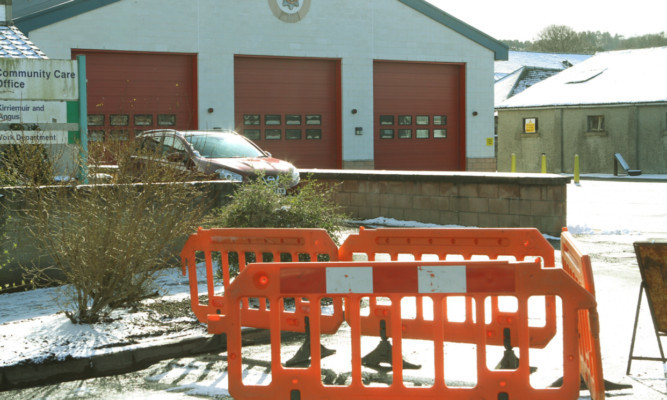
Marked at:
<point>290,107</point>
<point>419,122</point>
<point>132,92</point>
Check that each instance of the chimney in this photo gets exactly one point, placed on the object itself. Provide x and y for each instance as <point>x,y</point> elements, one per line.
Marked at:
<point>5,12</point>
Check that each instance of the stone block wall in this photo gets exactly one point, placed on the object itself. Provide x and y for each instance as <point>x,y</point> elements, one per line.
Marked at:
<point>466,199</point>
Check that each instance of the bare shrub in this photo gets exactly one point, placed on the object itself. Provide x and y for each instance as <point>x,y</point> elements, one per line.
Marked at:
<point>110,241</point>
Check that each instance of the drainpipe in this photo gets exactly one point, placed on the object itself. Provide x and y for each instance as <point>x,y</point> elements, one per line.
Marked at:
<point>5,12</point>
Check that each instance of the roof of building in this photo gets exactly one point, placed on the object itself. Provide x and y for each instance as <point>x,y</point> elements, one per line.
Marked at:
<point>520,80</point>
<point>552,61</point>
<point>39,13</point>
<point>14,44</point>
<point>613,77</point>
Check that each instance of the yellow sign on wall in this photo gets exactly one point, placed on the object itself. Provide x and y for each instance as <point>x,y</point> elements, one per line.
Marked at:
<point>530,125</point>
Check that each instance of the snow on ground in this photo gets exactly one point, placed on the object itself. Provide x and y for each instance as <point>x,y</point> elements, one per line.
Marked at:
<point>603,214</point>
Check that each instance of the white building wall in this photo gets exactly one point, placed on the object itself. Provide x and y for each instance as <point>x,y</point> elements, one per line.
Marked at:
<point>356,32</point>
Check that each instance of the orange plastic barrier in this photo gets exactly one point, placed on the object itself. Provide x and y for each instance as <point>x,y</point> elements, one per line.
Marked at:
<point>233,248</point>
<point>578,265</point>
<point>443,243</point>
<point>437,280</point>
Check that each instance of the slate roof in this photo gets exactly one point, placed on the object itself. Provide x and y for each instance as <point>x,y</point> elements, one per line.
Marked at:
<point>550,61</point>
<point>613,77</point>
<point>14,44</point>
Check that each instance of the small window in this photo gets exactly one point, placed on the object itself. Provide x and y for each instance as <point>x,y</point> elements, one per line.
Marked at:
<point>422,119</point>
<point>530,125</point>
<point>95,119</point>
<point>386,133</point>
<point>386,120</point>
<point>405,119</point>
<point>405,133</point>
<point>166,119</point>
<point>293,134</point>
<point>422,133</point>
<point>250,119</point>
<point>143,119</point>
<point>439,120</point>
<point>252,134</point>
<point>119,119</point>
<point>595,123</point>
<point>272,134</point>
<point>96,135</point>
<point>439,133</point>
<point>272,119</point>
<point>313,119</point>
<point>315,134</point>
<point>119,135</point>
<point>292,119</point>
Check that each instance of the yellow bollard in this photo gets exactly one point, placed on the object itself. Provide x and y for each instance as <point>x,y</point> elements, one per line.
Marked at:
<point>576,169</point>
<point>544,163</point>
<point>513,162</point>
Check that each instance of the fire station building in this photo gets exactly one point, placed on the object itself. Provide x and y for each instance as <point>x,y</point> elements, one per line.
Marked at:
<point>364,84</point>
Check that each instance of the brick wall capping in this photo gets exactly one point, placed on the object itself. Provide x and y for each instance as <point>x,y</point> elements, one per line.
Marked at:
<point>438,176</point>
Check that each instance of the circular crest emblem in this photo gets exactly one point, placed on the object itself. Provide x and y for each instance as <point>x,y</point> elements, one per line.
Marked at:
<point>290,10</point>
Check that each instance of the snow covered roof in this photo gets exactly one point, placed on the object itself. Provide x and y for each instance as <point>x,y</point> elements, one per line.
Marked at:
<point>14,44</point>
<point>518,59</point>
<point>520,80</point>
<point>614,77</point>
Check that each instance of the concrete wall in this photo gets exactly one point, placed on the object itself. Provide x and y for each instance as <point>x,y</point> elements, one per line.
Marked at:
<point>356,32</point>
<point>468,199</point>
<point>637,132</point>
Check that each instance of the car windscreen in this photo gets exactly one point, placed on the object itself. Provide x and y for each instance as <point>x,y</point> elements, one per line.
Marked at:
<point>223,146</point>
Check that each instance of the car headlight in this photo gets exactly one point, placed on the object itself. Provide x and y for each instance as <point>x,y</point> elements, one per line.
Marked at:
<point>229,175</point>
<point>295,177</point>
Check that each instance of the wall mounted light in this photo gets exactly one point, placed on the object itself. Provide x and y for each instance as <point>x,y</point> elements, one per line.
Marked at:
<point>354,111</point>
<point>474,113</point>
<point>210,110</point>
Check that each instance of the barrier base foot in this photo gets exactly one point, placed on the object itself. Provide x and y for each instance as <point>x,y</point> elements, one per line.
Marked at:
<point>302,356</point>
<point>380,358</point>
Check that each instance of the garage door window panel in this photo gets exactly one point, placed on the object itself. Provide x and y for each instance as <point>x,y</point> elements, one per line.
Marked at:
<point>422,119</point>
<point>292,119</point>
<point>439,133</point>
<point>96,135</point>
<point>313,134</point>
<point>313,119</point>
<point>386,133</point>
<point>251,119</point>
<point>272,134</point>
<point>166,119</point>
<point>143,119</point>
<point>272,119</point>
<point>293,134</point>
<point>119,120</point>
<point>119,134</point>
<point>386,120</point>
<point>405,133</point>
<point>439,120</point>
<point>252,134</point>
<point>422,134</point>
<point>405,119</point>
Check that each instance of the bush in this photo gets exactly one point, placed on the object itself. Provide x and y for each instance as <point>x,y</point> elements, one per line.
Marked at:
<point>110,241</point>
<point>259,205</point>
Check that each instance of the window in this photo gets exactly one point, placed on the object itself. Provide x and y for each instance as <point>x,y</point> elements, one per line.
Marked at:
<point>405,119</point>
<point>314,134</point>
<point>405,133</point>
<point>439,120</point>
<point>439,133</point>
<point>422,133</point>
<point>119,119</point>
<point>143,119</point>
<point>292,119</point>
<point>95,119</point>
<point>250,119</point>
<point>386,133</point>
<point>595,123</point>
<point>166,119</point>
<point>386,120</point>
<point>422,119</point>
<point>272,134</point>
<point>272,119</point>
<point>292,134</point>
<point>313,119</point>
<point>530,125</point>
<point>252,134</point>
